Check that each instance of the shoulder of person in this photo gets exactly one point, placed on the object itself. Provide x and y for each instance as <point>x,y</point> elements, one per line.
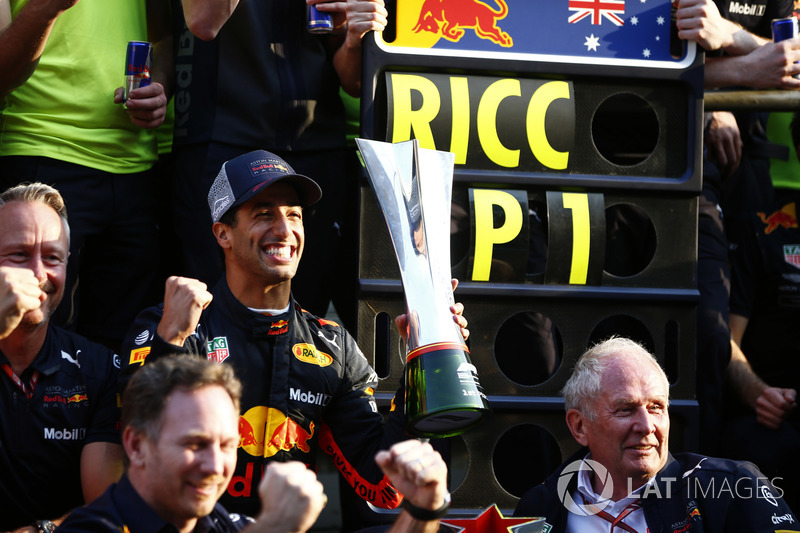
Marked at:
<point>88,357</point>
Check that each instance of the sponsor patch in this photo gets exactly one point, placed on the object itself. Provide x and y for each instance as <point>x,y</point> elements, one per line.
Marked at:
<point>71,359</point>
<point>278,328</point>
<point>217,349</point>
<point>314,398</point>
<point>64,433</point>
<point>308,353</point>
<point>139,355</point>
<point>141,338</point>
<point>267,166</point>
<point>791,254</point>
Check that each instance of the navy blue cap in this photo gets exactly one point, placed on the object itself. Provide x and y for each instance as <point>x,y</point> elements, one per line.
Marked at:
<point>245,176</point>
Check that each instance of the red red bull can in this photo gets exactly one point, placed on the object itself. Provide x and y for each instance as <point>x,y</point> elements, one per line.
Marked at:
<point>317,21</point>
<point>138,61</point>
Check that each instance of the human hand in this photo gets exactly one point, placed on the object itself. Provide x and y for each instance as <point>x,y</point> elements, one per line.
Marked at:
<point>774,405</point>
<point>417,471</point>
<point>291,498</point>
<point>357,16</point>
<point>146,106</point>
<point>772,66</point>
<point>184,301</point>
<point>724,142</point>
<point>401,321</point>
<point>700,21</point>
<point>20,292</point>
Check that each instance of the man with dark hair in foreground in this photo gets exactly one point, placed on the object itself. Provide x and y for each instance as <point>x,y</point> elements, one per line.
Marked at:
<point>180,418</point>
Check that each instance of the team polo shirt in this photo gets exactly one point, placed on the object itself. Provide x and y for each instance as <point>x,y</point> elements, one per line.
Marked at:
<point>264,82</point>
<point>66,109</point>
<point>120,508</point>
<point>765,288</point>
<point>73,403</point>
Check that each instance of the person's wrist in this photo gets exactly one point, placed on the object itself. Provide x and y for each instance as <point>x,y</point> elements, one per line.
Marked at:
<point>425,515</point>
<point>44,526</point>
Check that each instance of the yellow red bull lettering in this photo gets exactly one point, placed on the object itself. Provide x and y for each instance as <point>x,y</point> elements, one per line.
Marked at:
<point>139,355</point>
<point>308,353</point>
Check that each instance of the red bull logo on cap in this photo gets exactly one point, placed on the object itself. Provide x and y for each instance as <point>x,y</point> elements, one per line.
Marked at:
<point>451,18</point>
<point>308,353</point>
<point>785,218</point>
<point>264,431</point>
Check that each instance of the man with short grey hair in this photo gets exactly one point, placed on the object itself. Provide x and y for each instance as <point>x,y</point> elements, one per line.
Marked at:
<point>624,477</point>
<point>59,437</point>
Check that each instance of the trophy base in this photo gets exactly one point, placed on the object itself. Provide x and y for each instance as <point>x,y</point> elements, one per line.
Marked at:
<point>443,396</point>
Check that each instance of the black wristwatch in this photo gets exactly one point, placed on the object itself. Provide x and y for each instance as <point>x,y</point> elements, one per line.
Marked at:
<point>44,526</point>
<point>424,515</point>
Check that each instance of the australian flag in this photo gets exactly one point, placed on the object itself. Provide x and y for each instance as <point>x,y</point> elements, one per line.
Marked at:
<point>603,29</point>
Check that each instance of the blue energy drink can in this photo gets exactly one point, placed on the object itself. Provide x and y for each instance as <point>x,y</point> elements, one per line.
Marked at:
<point>317,21</point>
<point>138,62</point>
<point>783,29</point>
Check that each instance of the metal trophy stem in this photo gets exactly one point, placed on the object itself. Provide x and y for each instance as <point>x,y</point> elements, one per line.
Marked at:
<point>413,186</point>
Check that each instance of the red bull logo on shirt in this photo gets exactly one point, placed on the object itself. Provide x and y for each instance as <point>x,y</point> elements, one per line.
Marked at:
<point>785,218</point>
<point>264,431</point>
<point>278,328</point>
<point>77,398</point>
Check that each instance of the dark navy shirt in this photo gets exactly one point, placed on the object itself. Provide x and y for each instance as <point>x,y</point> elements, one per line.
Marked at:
<point>73,403</point>
<point>263,82</point>
<point>120,508</point>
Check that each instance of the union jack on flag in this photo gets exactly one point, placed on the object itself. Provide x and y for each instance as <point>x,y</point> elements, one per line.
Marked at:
<point>597,9</point>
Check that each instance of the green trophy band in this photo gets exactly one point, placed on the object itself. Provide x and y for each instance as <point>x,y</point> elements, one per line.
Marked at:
<point>443,396</point>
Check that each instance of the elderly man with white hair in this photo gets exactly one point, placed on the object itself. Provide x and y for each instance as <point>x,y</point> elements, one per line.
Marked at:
<point>625,478</point>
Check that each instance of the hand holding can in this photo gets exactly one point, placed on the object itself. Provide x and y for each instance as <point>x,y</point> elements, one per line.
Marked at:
<point>318,21</point>
<point>138,62</point>
<point>783,29</point>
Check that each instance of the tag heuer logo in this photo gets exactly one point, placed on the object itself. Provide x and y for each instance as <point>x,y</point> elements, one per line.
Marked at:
<point>217,349</point>
<point>791,254</point>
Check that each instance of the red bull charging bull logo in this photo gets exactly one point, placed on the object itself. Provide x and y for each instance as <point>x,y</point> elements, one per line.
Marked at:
<point>785,218</point>
<point>451,18</point>
<point>264,431</point>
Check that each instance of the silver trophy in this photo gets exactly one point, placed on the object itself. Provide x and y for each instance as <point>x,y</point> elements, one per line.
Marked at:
<point>413,187</point>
